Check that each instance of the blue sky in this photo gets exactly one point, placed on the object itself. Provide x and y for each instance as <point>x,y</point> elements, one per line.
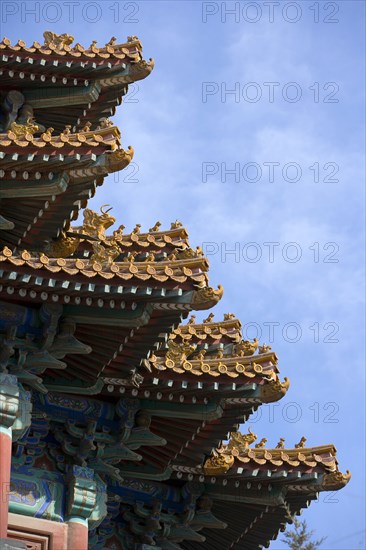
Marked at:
<point>188,133</point>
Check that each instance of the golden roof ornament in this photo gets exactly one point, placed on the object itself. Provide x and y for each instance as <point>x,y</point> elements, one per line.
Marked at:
<point>192,320</point>
<point>58,40</point>
<point>218,464</point>
<point>104,255</point>
<point>301,443</point>
<point>261,444</point>
<point>264,348</point>
<point>62,247</point>
<point>335,480</point>
<point>209,318</point>
<point>118,233</point>
<point>47,135</point>
<point>281,443</point>
<point>119,158</point>
<point>131,256</point>
<point>241,441</point>
<point>95,225</point>
<point>229,316</point>
<point>22,130</point>
<point>200,355</point>
<point>93,229</point>
<point>246,347</point>
<point>219,354</point>
<point>207,297</point>
<point>274,390</point>
<point>105,123</point>
<point>178,353</point>
<point>155,227</point>
<point>112,41</point>
<point>87,127</point>
<point>176,225</point>
<point>150,257</point>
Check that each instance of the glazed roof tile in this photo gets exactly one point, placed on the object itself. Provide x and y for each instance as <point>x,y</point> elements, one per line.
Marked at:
<point>232,458</point>
<point>23,136</point>
<point>61,46</point>
<point>180,271</point>
<point>229,328</point>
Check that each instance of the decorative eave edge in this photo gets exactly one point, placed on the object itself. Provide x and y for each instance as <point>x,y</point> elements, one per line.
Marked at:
<point>160,272</point>
<point>60,45</point>
<point>233,367</point>
<point>335,480</point>
<point>207,297</point>
<point>274,390</point>
<point>111,161</point>
<point>328,481</point>
<point>230,326</point>
<point>137,71</point>
<point>238,452</point>
<point>22,135</point>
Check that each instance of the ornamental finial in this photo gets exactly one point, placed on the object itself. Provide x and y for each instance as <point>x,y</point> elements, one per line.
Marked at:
<point>301,443</point>
<point>58,40</point>
<point>261,444</point>
<point>112,41</point>
<point>155,227</point>
<point>209,318</point>
<point>228,316</point>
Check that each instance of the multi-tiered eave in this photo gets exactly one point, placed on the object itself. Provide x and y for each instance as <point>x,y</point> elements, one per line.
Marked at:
<point>268,485</point>
<point>124,298</point>
<point>205,381</point>
<point>56,140</point>
<point>50,177</point>
<point>72,84</point>
<point>119,423</point>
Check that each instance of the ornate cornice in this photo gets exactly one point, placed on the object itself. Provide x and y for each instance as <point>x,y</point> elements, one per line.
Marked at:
<point>61,46</point>
<point>238,451</point>
<point>177,360</point>
<point>335,480</point>
<point>274,390</point>
<point>24,136</point>
<point>104,266</point>
<point>206,297</point>
<point>229,327</point>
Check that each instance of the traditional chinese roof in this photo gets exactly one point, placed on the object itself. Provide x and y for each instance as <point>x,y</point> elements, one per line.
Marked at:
<point>84,84</point>
<point>88,313</point>
<point>236,456</point>
<point>60,145</point>
<point>214,351</point>
<point>232,377</point>
<point>267,485</point>
<point>131,295</point>
<point>51,177</point>
<point>184,272</point>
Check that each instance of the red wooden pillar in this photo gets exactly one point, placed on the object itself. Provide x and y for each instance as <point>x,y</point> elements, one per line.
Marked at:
<point>5,464</point>
<point>77,537</point>
<point>9,405</point>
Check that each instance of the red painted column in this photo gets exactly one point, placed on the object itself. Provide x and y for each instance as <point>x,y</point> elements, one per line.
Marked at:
<point>5,464</point>
<point>9,410</point>
<point>77,536</point>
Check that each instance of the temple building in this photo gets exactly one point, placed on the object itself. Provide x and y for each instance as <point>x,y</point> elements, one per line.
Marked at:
<point>119,420</point>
